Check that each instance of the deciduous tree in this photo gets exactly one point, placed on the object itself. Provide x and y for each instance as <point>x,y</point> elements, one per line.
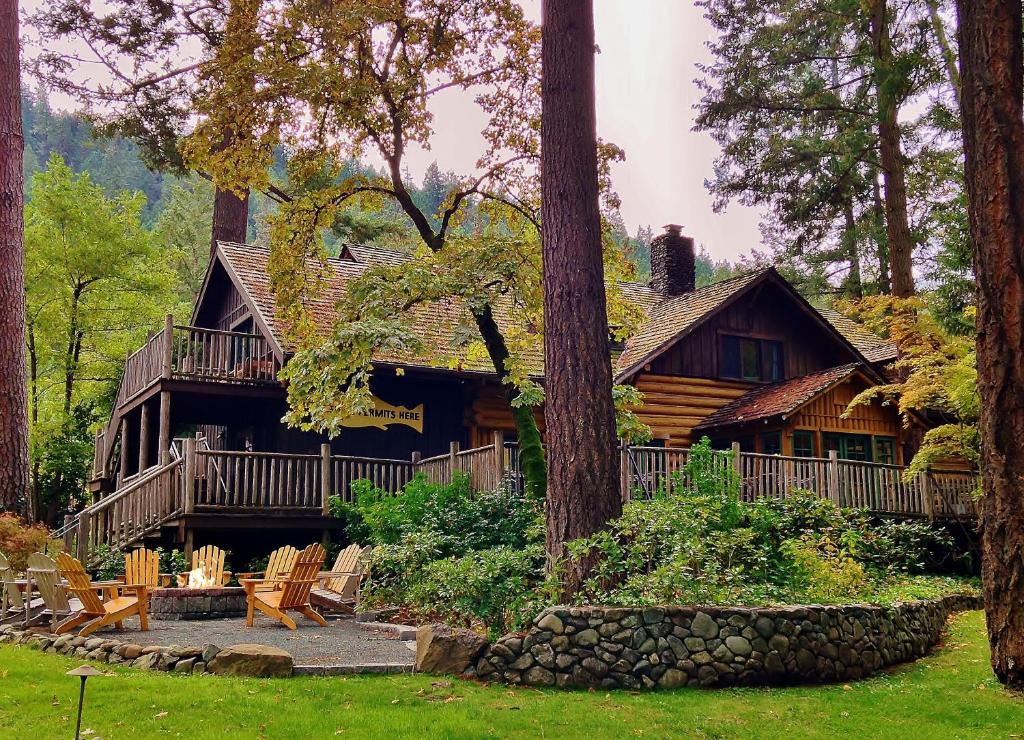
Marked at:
<point>333,81</point>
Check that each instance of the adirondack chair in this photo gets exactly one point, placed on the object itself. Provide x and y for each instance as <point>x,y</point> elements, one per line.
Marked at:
<point>44,574</point>
<point>11,602</point>
<point>280,565</point>
<point>340,586</point>
<point>142,567</point>
<point>96,613</point>
<point>211,559</point>
<point>293,594</point>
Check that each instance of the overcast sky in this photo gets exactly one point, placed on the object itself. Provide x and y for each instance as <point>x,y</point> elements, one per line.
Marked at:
<point>645,98</point>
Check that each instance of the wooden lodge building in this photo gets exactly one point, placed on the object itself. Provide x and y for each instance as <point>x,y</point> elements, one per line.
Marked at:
<point>746,360</point>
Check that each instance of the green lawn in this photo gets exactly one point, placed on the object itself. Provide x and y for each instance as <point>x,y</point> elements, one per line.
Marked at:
<point>951,694</point>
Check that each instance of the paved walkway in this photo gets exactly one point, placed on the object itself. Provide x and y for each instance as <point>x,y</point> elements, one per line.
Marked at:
<point>341,643</point>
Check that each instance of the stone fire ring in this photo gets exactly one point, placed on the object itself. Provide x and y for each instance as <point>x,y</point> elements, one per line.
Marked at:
<point>197,603</point>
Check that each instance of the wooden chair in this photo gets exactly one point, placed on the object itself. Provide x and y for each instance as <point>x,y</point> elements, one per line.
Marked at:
<point>211,559</point>
<point>340,585</point>
<point>96,613</point>
<point>142,567</point>
<point>279,567</point>
<point>293,594</point>
<point>11,601</point>
<point>42,569</point>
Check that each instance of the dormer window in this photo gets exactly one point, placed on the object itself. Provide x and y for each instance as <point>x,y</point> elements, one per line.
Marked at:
<point>748,358</point>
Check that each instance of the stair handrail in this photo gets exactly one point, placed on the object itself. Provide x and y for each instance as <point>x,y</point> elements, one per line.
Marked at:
<point>108,501</point>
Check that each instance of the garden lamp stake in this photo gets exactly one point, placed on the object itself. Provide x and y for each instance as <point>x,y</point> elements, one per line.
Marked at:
<point>83,672</point>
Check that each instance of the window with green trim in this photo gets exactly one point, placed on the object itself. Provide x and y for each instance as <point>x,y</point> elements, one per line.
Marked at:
<point>885,450</point>
<point>746,358</point>
<point>803,443</point>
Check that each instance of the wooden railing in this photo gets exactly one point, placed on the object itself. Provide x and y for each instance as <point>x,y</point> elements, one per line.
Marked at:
<point>228,356</point>
<point>186,353</point>
<point>848,483</point>
<point>126,516</point>
<point>201,480</point>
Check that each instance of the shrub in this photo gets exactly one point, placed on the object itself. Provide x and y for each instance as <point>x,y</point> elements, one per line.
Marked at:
<point>460,518</point>
<point>18,541</point>
<point>109,563</point>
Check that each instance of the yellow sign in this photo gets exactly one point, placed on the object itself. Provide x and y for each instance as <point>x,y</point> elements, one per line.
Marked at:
<point>383,415</point>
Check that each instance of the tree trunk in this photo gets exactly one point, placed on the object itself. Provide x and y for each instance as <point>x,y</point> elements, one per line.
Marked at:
<point>583,467</point>
<point>531,451</point>
<point>897,224</point>
<point>230,217</point>
<point>854,281</point>
<point>992,98</point>
<point>13,387</point>
<point>884,282</point>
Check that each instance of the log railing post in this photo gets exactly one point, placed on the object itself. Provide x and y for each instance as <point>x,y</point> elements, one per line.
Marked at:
<point>499,458</point>
<point>625,473</point>
<point>453,451</point>
<point>737,467</point>
<point>927,499</point>
<point>834,493</point>
<point>83,536</point>
<point>168,347</point>
<point>189,475</point>
<point>325,479</point>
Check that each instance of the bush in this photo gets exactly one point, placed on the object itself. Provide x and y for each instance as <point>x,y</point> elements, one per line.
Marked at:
<point>460,518</point>
<point>18,541</point>
<point>477,559</point>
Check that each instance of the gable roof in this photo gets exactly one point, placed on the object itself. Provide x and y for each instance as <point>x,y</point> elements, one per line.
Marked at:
<point>440,324</point>
<point>778,399</point>
<point>668,320</point>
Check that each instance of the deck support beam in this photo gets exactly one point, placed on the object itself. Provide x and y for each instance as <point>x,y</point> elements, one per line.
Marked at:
<point>144,437</point>
<point>165,428</point>
<point>124,450</point>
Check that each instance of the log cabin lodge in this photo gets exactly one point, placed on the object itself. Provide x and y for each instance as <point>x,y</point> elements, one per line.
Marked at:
<point>747,360</point>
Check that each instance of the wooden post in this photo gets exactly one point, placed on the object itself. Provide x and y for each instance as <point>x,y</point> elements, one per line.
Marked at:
<point>325,479</point>
<point>625,472</point>
<point>165,428</point>
<point>499,457</point>
<point>168,352</point>
<point>453,451</point>
<point>83,536</point>
<point>68,532</point>
<point>189,454</point>
<point>927,500</point>
<point>143,437</point>
<point>124,448</point>
<point>834,493</point>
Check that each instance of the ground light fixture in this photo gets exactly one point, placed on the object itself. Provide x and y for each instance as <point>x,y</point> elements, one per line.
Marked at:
<point>83,671</point>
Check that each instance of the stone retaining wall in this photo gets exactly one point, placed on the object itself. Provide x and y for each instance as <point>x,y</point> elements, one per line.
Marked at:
<point>634,648</point>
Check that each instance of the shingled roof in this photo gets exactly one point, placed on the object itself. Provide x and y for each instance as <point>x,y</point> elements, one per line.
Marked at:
<point>438,325</point>
<point>777,399</point>
<point>873,347</point>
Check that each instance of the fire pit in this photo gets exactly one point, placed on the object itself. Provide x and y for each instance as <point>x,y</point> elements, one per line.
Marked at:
<point>215,602</point>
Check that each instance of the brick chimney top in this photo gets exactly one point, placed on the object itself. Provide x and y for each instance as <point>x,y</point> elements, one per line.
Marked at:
<point>673,262</point>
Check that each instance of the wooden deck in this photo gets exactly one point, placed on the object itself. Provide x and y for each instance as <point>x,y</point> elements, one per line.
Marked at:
<point>255,489</point>
<point>186,353</point>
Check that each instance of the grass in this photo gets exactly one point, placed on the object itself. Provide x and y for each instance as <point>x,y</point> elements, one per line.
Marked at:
<point>950,694</point>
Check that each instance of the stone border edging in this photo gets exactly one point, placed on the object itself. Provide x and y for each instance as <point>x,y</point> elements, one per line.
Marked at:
<point>668,647</point>
<point>114,652</point>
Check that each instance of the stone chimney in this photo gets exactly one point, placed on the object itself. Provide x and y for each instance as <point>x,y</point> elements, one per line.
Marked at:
<point>673,263</point>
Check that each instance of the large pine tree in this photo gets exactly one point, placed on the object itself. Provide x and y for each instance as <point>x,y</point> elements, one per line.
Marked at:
<point>992,100</point>
<point>583,469</point>
<point>13,393</point>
